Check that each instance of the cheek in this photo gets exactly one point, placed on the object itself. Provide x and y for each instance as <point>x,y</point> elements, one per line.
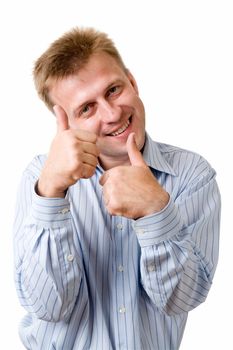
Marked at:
<point>90,125</point>
<point>140,113</point>
<point>139,106</point>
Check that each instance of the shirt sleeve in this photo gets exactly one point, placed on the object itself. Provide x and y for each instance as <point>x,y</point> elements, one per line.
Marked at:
<point>179,246</point>
<point>48,271</point>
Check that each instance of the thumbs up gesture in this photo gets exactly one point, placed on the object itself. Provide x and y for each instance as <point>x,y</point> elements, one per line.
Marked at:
<point>73,155</point>
<point>132,191</point>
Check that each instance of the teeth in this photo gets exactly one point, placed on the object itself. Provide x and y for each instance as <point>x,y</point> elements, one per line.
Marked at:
<point>121,130</point>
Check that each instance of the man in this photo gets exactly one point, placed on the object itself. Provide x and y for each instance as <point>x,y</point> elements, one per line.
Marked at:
<point>116,236</point>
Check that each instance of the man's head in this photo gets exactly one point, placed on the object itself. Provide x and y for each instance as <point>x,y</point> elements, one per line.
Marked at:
<point>67,55</point>
<point>83,73</point>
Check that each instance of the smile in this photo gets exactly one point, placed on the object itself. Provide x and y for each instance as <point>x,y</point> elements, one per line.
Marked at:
<point>121,129</point>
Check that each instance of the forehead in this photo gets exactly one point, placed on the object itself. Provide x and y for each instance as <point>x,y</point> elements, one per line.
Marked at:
<point>100,69</point>
<point>101,61</point>
<point>98,73</point>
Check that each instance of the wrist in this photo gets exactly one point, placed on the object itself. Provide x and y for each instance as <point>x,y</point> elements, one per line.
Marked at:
<point>157,205</point>
<point>48,191</point>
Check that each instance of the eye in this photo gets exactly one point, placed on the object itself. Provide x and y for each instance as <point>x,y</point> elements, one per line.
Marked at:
<point>86,110</point>
<point>114,90</point>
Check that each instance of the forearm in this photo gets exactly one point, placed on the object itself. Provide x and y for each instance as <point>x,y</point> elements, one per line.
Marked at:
<point>48,270</point>
<point>176,267</point>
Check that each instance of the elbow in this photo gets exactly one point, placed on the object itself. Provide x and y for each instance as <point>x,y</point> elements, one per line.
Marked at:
<point>55,312</point>
<point>181,301</point>
<point>174,307</point>
<point>49,301</point>
<point>52,308</point>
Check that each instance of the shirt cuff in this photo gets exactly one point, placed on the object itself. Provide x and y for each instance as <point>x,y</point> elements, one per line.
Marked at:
<point>156,228</point>
<point>50,212</point>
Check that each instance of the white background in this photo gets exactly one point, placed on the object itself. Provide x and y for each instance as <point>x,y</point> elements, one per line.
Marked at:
<point>181,55</point>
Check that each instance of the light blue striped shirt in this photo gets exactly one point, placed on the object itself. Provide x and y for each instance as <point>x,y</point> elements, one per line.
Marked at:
<point>89,280</point>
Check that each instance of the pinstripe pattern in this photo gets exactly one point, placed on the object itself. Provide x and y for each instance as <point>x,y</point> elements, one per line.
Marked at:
<point>89,280</point>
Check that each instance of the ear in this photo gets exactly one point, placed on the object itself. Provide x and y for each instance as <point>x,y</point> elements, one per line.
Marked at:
<point>132,81</point>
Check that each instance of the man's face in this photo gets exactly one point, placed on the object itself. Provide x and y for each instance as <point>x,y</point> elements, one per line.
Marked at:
<point>103,99</point>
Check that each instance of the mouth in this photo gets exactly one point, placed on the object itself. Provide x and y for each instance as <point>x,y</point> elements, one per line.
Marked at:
<point>122,128</point>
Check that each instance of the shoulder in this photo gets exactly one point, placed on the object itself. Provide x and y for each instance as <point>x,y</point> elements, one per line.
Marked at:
<point>172,152</point>
<point>185,162</point>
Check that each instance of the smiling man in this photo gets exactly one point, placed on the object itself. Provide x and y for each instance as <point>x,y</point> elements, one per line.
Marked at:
<point>116,236</point>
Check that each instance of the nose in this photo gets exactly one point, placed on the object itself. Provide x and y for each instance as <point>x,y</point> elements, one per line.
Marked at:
<point>109,113</point>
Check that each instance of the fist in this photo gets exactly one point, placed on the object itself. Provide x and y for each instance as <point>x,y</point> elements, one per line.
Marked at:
<point>73,155</point>
<point>132,191</point>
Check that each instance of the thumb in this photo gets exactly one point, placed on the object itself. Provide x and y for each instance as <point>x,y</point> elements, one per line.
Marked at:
<point>135,155</point>
<point>62,119</point>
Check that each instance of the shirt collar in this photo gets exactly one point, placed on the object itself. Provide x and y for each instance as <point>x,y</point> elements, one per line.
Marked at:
<point>154,157</point>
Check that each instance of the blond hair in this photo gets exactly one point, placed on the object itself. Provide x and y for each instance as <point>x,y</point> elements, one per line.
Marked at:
<point>67,55</point>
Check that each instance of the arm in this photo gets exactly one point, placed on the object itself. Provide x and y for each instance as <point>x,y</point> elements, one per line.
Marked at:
<point>48,270</point>
<point>48,264</point>
<point>179,247</point>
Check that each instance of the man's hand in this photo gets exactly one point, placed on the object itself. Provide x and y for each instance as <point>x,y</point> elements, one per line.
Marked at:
<point>132,191</point>
<point>73,155</point>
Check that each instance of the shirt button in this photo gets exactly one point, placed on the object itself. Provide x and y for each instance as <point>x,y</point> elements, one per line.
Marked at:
<point>70,257</point>
<point>122,310</point>
<point>120,268</point>
<point>151,268</point>
<point>140,231</point>
<point>119,226</point>
<point>64,210</point>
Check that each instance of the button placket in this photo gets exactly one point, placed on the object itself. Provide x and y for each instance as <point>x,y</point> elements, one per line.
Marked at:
<point>120,227</point>
<point>121,288</point>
